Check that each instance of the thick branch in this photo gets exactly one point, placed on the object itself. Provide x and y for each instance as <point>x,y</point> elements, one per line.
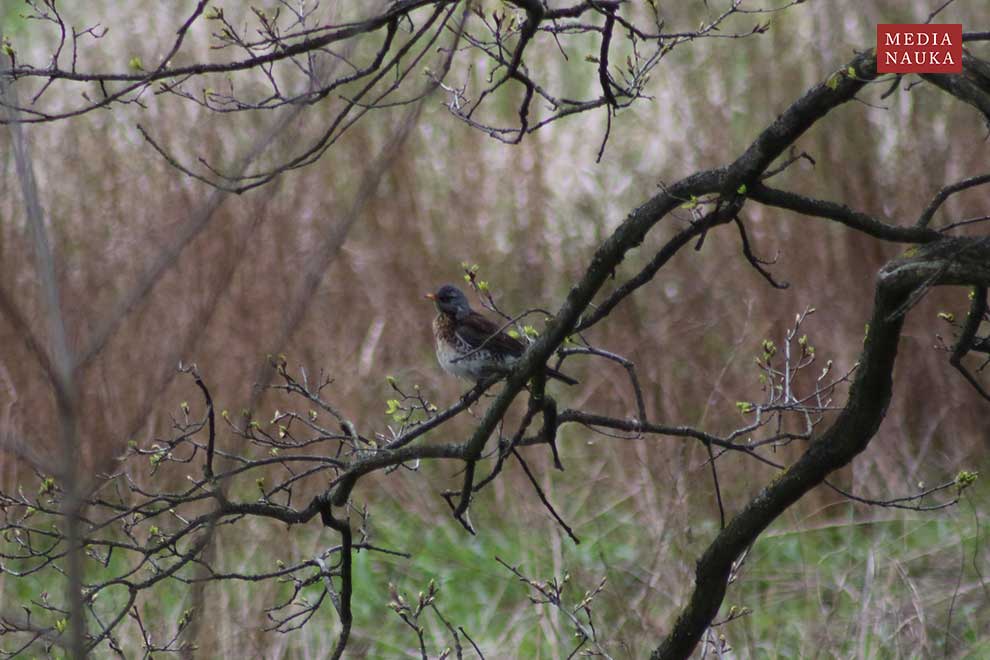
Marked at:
<point>965,343</point>
<point>745,171</point>
<point>841,213</point>
<point>972,86</point>
<point>840,87</point>
<point>951,261</point>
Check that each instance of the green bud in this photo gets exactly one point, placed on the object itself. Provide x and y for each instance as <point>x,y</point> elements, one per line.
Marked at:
<point>966,479</point>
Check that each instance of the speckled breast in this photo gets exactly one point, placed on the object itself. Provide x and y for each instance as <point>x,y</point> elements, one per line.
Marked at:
<point>458,358</point>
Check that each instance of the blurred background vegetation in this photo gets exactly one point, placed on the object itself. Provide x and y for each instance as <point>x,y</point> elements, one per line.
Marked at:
<point>831,578</point>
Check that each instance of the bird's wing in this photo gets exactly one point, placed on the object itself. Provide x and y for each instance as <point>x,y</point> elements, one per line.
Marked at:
<point>476,330</point>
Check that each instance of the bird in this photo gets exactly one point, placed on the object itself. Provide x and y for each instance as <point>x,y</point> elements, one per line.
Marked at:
<point>471,346</point>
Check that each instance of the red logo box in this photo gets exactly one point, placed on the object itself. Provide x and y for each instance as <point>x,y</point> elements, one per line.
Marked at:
<point>911,48</point>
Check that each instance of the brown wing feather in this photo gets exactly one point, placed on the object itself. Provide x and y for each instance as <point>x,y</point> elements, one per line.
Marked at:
<point>476,330</point>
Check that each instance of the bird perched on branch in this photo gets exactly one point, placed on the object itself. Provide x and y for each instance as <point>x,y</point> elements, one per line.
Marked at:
<point>471,346</point>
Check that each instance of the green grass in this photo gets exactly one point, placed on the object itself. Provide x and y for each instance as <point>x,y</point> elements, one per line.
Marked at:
<point>843,581</point>
<point>880,587</point>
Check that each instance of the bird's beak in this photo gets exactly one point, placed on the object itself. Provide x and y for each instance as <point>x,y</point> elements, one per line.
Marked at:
<point>430,296</point>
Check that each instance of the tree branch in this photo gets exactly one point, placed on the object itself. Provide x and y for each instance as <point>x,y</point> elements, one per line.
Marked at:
<point>959,261</point>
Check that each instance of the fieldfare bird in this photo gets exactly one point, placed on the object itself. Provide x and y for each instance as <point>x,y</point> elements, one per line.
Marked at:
<point>471,346</point>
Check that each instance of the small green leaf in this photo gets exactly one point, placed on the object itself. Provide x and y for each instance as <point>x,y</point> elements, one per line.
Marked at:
<point>741,189</point>
<point>966,479</point>
<point>136,64</point>
<point>833,81</point>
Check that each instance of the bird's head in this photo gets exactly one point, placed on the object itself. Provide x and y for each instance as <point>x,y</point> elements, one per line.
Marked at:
<point>451,300</point>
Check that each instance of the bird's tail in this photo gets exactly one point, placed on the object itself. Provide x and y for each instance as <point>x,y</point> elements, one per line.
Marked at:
<point>553,373</point>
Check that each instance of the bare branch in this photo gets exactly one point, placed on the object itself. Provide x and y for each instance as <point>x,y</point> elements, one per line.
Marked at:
<point>947,191</point>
